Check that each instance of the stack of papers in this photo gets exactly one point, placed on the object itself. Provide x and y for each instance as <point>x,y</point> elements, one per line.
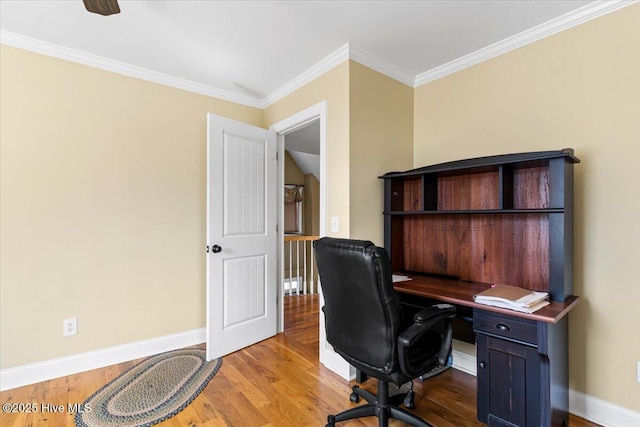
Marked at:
<point>513,298</point>
<point>400,278</point>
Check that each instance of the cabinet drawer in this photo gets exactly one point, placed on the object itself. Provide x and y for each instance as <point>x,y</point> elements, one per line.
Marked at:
<point>504,326</point>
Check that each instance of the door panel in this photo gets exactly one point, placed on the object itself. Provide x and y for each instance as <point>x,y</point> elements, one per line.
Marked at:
<point>244,198</point>
<point>244,289</point>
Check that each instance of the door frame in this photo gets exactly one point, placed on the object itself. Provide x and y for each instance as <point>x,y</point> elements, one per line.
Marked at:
<point>282,128</point>
<point>328,357</point>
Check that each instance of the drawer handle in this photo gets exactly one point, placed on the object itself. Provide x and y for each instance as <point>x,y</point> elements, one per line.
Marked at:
<point>502,327</point>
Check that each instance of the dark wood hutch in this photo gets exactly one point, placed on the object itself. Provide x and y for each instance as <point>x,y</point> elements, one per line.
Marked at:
<point>458,227</point>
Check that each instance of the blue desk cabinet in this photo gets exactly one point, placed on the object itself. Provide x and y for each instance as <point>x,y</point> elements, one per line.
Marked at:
<point>522,370</point>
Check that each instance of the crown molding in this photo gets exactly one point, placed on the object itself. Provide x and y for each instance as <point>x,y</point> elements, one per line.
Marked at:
<point>345,52</point>
<point>564,22</point>
<point>61,52</point>
<point>553,26</point>
<point>388,69</point>
<point>335,58</point>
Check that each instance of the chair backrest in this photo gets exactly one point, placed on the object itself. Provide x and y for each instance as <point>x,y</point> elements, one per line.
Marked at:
<point>362,311</point>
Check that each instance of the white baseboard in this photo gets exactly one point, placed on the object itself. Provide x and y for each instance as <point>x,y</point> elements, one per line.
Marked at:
<point>588,407</point>
<point>464,362</point>
<point>601,412</point>
<point>334,362</point>
<point>60,367</point>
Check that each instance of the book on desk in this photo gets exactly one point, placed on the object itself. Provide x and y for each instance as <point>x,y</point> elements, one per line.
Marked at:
<point>513,298</point>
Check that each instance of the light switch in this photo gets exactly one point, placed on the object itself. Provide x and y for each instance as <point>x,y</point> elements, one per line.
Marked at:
<point>335,224</point>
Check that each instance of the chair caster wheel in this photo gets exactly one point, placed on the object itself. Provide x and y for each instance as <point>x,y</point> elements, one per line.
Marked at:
<point>331,421</point>
<point>409,400</point>
<point>355,397</point>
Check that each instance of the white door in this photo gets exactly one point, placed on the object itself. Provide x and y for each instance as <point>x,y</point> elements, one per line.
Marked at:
<point>241,235</point>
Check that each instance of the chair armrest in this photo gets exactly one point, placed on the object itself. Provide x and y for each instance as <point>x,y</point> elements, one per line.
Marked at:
<point>437,312</point>
<point>427,342</point>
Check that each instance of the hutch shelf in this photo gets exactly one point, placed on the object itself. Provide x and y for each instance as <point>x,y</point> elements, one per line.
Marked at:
<point>457,228</point>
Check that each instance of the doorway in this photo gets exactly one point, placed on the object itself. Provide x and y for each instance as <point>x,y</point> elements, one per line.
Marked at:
<point>304,135</point>
<point>301,225</point>
<point>328,357</point>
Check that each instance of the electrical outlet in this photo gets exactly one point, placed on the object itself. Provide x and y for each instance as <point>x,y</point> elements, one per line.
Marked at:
<point>70,327</point>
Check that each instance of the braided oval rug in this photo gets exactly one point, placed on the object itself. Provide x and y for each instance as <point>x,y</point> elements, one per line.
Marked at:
<point>150,392</point>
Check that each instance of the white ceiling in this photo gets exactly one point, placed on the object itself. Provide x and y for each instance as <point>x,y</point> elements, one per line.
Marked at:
<point>304,146</point>
<point>305,139</point>
<point>251,50</point>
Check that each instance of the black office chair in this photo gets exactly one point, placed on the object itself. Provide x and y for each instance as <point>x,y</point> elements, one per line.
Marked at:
<point>365,325</point>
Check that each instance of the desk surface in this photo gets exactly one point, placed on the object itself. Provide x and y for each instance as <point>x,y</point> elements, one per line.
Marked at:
<point>461,293</point>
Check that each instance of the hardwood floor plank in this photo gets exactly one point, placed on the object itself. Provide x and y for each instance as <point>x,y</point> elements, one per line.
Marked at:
<point>247,387</point>
<point>188,417</point>
<point>253,368</point>
<point>278,382</point>
<point>205,411</point>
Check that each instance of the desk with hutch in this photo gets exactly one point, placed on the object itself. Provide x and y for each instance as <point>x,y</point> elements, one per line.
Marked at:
<point>456,228</point>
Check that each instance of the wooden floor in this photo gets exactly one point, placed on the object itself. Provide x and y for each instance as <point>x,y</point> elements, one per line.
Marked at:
<point>277,382</point>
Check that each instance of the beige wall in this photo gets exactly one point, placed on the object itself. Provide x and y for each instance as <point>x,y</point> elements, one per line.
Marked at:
<point>292,173</point>
<point>380,140</point>
<point>102,209</point>
<point>332,87</point>
<point>312,208</point>
<point>311,215</point>
<point>580,89</point>
<point>370,132</point>
<point>311,194</point>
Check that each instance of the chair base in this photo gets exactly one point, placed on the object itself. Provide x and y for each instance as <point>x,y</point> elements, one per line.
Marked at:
<point>380,406</point>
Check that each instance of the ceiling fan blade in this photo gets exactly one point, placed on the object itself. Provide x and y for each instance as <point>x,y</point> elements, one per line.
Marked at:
<point>102,7</point>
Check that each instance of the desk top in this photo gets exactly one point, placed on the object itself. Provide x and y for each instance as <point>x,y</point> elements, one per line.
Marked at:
<point>461,293</point>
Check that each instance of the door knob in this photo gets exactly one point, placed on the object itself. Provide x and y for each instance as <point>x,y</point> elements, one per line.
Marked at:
<point>215,249</point>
